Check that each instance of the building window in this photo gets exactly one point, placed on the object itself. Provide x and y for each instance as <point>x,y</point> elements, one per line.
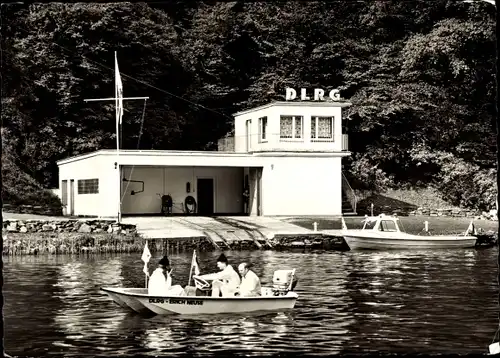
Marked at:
<point>291,127</point>
<point>263,129</point>
<point>88,186</point>
<point>322,129</point>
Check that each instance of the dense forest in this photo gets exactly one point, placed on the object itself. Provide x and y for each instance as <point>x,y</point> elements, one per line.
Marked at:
<point>420,75</point>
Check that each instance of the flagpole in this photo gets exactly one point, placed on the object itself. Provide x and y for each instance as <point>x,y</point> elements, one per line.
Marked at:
<point>118,98</point>
<point>117,137</point>
<point>190,274</point>
<point>191,269</point>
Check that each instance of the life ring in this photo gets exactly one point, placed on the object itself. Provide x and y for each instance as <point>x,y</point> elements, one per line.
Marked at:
<point>190,204</point>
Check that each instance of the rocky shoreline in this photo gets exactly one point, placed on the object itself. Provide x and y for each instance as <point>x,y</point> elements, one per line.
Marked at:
<point>53,243</point>
<point>44,243</point>
<point>93,236</point>
<point>68,226</point>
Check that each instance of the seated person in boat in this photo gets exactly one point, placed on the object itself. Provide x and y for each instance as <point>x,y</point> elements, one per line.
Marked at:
<point>159,285</point>
<point>226,281</point>
<point>250,282</point>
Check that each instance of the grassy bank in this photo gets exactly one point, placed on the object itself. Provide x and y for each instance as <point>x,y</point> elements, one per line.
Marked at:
<point>412,199</point>
<point>20,190</point>
<point>411,224</point>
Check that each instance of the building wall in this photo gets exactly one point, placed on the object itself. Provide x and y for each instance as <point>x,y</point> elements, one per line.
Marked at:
<point>240,133</point>
<point>97,167</point>
<point>273,141</point>
<point>301,186</point>
<point>228,187</point>
<point>289,185</point>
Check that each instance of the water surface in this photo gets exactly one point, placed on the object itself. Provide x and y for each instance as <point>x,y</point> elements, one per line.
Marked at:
<point>349,302</point>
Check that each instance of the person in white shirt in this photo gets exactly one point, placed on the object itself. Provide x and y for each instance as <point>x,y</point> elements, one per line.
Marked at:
<point>159,285</point>
<point>226,281</point>
<point>250,282</point>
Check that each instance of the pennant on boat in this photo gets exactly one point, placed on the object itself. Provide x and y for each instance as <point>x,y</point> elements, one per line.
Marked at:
<point>146,255</point>
<point>472,228</point>
<point>194,263</point>
<point>119,93</point>
<point>344,226</point>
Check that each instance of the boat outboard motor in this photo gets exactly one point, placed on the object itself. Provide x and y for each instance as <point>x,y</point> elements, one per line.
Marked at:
<point>190,204</point>
<point>283,282</point>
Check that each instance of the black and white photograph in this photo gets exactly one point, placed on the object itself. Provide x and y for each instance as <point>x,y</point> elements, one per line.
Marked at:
<point>249,178</point>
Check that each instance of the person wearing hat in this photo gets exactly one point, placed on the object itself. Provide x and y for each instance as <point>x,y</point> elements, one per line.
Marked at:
<point>159,285</point>
<point>226,281</point>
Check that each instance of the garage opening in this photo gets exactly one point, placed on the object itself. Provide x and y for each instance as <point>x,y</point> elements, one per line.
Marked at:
<point>199,191</point>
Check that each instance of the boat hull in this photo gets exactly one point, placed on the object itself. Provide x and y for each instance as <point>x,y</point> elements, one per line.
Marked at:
<point>123,299</point>
<point>414,242</point>
<point>198,305</point>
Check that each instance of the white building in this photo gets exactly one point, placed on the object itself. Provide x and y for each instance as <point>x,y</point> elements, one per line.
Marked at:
<point>287,154</point>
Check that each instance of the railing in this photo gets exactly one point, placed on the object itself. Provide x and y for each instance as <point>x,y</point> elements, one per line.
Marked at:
<point>346,188</point>
<point>345,142</point>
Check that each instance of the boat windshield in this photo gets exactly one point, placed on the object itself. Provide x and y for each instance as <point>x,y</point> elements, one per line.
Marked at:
<point>369,225</point>
<point>387,225</point>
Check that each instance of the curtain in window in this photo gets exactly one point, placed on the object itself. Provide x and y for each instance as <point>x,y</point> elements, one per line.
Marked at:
<point>286,127</point>
<point>325,127</point>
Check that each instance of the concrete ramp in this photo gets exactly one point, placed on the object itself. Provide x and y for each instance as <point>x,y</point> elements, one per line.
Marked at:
<point>220,232</point>
<point>267,226</point>
<point>224,232</point>
<point>162,228</point>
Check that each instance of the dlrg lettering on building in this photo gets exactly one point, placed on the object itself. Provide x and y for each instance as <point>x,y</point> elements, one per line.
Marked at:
<point>319,94</point>
<point>284,158</point>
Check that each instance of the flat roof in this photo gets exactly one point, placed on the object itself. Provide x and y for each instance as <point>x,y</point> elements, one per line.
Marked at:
<point>149,152</point>
<point>203,154</point>
<point>296,104</point>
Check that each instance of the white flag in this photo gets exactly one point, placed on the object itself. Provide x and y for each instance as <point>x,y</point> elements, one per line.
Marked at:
<point>344,226</point>
<point>471,229</point>
<point>146,255</point>
<point>194,263</point>
<point>118,93</point>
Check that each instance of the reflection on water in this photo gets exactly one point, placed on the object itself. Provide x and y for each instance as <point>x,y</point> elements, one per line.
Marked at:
<point>434,302</point>
<point>79,316</point>
<point>159,337</point>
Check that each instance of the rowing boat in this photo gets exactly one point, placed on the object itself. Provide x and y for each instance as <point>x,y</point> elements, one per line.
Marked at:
<point>279,297</point>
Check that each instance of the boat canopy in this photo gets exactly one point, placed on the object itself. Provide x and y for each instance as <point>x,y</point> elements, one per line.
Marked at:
<point>381,222</point>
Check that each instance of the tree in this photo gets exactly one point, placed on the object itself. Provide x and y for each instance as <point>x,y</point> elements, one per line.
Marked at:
<point>419,75</point>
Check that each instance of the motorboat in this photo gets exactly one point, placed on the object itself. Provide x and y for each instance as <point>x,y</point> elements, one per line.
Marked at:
<point>384,232</point>
<point>197,300</point>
